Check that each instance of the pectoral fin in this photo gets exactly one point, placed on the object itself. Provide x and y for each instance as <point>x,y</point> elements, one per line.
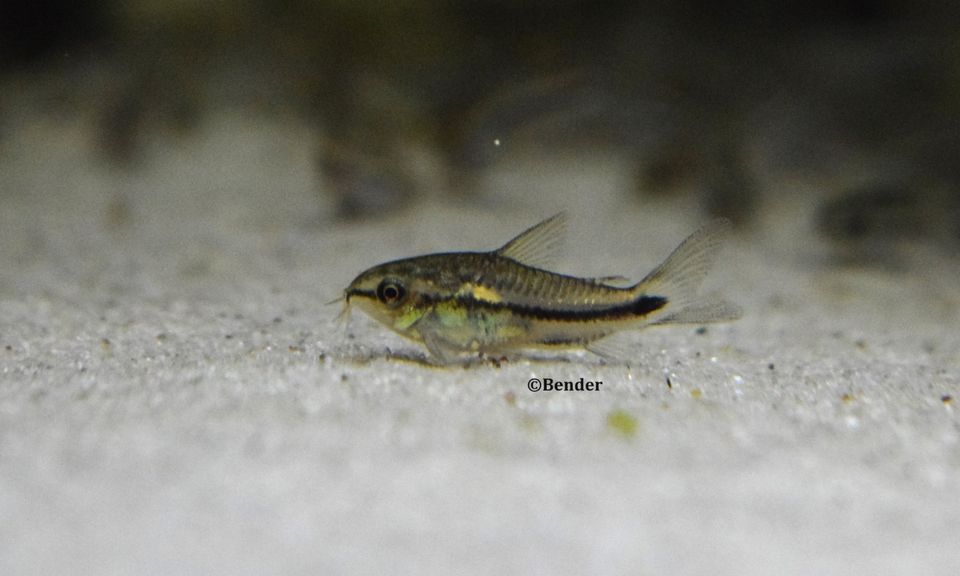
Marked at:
<point>431,329</point>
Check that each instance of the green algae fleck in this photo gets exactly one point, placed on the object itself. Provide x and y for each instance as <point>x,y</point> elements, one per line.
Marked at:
<point>622,423</point>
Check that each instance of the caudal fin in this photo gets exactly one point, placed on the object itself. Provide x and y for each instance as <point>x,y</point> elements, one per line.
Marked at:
<point>680,276</point>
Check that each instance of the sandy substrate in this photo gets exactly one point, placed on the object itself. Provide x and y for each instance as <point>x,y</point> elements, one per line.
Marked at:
<point>175,397</point>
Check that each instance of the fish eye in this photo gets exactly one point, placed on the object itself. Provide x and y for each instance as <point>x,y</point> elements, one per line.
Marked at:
<point>390,292</point>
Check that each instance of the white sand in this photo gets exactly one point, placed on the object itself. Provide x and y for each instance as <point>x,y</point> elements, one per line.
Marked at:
<point>175,397</point>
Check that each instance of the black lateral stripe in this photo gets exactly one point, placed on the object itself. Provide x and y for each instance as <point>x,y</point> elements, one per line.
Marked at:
<point>640,307</point>
<point>563,341</point>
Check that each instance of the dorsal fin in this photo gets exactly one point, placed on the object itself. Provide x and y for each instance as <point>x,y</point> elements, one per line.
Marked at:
<point>538,246</point>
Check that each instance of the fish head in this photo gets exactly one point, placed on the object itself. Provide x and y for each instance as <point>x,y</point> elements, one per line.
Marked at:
<point>396,293</point>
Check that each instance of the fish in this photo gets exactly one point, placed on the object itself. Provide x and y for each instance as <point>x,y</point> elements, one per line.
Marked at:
<point>495,303</point>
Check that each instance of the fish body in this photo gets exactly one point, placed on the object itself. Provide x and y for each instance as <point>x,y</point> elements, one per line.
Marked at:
<point>500,301</point>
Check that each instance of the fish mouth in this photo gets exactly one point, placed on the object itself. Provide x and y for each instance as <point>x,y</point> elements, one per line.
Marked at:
<point>344,298</point>
<point>344,314</point>
<point>351,292</point>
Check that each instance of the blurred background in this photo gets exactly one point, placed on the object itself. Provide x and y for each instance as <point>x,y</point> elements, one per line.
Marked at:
<point>844,114</point>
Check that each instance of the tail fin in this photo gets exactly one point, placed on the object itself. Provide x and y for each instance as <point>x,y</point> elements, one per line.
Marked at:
<point>680,276</point>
